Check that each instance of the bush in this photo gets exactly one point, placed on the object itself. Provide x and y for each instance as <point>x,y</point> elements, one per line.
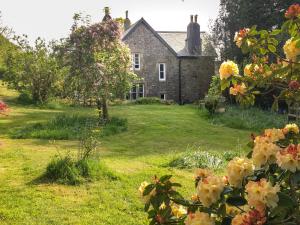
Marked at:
<point>152,101</point>
<point>25,99</point>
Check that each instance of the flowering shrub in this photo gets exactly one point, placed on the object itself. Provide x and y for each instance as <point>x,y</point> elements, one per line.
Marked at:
<point>270,69</point>
<point>262,188</point>
<point>3,107</point>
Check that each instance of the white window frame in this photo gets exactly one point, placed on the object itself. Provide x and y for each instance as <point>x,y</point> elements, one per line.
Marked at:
<point>164,71</point>
<point>134,64</point>
<point>136,91</point>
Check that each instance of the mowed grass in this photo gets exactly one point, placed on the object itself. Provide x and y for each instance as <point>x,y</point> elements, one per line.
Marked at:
<point>156,133</point>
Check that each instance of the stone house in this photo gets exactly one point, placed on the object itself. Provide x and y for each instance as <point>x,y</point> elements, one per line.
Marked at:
<point>170,64</point>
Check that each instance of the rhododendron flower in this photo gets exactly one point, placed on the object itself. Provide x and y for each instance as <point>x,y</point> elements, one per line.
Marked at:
<point>199,218</point>
<point>253,217</point>
<point>210,189</point>
<point>261,194</point>
<point>202,173</point>
<point>178,210</point>
<point>291,128</point>
<point>274,134</point>
<point>228,69</point>
<point>289,158</point>
<point>291,50</point>
<point>293,11</point>
<point>294,85</point>
<point>264,151</point>
<point>238,169</point>
<point>3,106</point>
<point>238,89</point>
<point>250,69</point>
<point>146,198</point>
<point>239,36</point>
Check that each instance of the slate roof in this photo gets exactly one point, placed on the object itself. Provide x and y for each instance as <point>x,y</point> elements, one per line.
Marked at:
<point>173,40</point>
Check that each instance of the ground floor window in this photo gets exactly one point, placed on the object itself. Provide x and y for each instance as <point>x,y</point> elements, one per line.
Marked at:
<point>163,96</point>
<point>137,91</point>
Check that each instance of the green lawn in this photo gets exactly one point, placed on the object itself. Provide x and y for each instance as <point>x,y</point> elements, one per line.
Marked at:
<point>155,134</point>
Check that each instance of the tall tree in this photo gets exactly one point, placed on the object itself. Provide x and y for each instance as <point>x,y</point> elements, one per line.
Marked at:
<point>237,14</point>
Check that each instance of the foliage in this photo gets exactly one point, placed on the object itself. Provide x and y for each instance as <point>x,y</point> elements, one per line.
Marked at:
<point>236,14</point>
<point>202,159</point>
<point>269,193</point>
<point>34,70</point>
<point>153,100</point>
<point>264,187</point>
<point>253,119</point>
<point>263,72</point>
<point>99,62</point>
<point>214,95</point>
<point>68,127</point>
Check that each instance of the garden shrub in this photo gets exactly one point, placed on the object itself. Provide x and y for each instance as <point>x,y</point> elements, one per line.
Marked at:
<point>152,101</point>
<point>115,126</point>
<point>25,99</point>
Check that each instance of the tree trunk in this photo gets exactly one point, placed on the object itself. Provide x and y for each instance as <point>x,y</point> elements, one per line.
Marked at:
<point>105,116</point>
<point>103,110</point>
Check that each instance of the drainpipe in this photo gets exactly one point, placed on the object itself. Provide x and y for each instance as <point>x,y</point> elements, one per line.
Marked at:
<point>179,72</point>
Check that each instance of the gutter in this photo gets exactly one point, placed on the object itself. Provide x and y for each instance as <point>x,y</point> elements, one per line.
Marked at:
<point>180,85</point>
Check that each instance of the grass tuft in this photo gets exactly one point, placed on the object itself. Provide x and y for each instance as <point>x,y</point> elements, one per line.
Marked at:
<point>252,119</point>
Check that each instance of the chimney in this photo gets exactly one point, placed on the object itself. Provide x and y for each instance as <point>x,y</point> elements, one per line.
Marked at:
<point>107,14</point>
<point>193,41</point>
<point>127,22</point>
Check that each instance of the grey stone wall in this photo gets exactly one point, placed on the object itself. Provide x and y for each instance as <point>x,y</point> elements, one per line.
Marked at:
<point>153,52</point>
<point>196,76</point>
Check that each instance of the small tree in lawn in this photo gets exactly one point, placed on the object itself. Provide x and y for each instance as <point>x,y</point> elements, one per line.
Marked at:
<point>100,63</point>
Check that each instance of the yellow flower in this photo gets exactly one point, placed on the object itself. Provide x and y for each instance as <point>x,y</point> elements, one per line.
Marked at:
<point>289,158</point>
<point>142,188</point>
<point>250,69</point>
<point>239,219</point>
<point>178,211</point>
<point>274,134</point>
<point>264,151</point>
<point>291,128</point>
<point>238,169</point>
<point>202,173</point>
<point>261,194</point>
<point>209,190</point>
<point>290,49</point>
<point>199,218</point>
<point>228,69</point>
<point>239,36</point>
<point>238,89</point>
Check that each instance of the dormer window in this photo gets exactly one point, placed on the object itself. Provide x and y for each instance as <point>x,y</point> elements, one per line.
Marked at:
<point>136,61</point>
<point>162,71</point>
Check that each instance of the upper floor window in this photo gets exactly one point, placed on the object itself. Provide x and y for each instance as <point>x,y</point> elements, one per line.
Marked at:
<point>162,71</point>
<point>136,61</point>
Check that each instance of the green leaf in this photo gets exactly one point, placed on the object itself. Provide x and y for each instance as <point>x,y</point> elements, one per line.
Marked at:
<point>165,178</point>
<point>236,201</point>
<point>272,48</point>
<point>275,32</point>
<point>285,200</point>
<point>148,189</point>
<point>295,179</point>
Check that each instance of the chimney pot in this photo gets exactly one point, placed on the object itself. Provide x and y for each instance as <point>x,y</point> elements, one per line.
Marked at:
<point>106,10</point>
<point>192,18</point>
<point>126,14</point>
<point>196,18</point>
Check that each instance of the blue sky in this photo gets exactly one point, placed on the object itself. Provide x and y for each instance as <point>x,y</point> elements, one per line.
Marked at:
<point>52,19</point>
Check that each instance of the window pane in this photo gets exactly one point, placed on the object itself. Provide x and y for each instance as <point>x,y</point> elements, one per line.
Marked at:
<point>162,96</point>
<point>161,67</point>
<point>133,96</point>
